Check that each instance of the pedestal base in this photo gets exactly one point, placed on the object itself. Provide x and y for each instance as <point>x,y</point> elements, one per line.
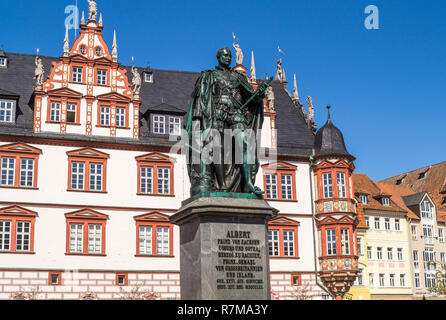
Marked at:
<point>224,249</point>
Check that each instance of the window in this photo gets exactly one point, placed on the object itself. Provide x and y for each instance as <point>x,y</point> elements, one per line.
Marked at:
<point>441,234</point>
<point>328,187</point>
<point>122,279</point>
<point>6,111</point>
<point>175,126</point>
<point>377,223</point>
<point>429,259</point>
<point>390,254</point>
<point>416,263</point>
<point>83,49</point>
<point>345,243</point>
<point>104,116</point>
<point>120,117</point>
<point>400,181</point>
<point>414,232</point>
<point>369,253</point>
<point>102,76</point>
<point>331,242</point>
<point>154,235</point>
<point>18,165</point>
<point>85,232</point>
<point>98,51</point>
<point>296,280</point>
<point>381,280</point>
<point>379,253</point>
<point>385,202</point>
<point>428,234</point>
<point>341,185</point>
<point>417,280</point>
<point>3,61</point>
<point>360,279</point>
<point>429,278</point>
<point>279,181</point>
<point>54,278</point>
<point>87,170</point>
<point>367,221</point>
<point>371,280</point>
<point>155,175</point>
<point>55,112</point>
<point>387,223</point>
<point>159,123</point>
<point>148,77</point>
<point>392,280</point>
<point>17,230</point>
<point>71,113</point>
<point>282,238</point>
<point>397,225</point>
<point>422,175</point>
<point>363,198</point>
<point>426,211</point>
<point>399,253</point>
<point>360,246</point>
<point>402,280</point>
<point>77,74</point>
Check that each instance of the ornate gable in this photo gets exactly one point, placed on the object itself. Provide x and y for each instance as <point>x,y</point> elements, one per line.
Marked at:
<point>284,222</point>
<point>279,166</point>
<point>14,211</point>
<point>20,148</point>
<point>152,217</point>
<point>88,153</point>
<point>155,157</point>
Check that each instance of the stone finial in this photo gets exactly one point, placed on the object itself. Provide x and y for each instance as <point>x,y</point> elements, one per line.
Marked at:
<point>310,109</point>
<point>83,18</point>
<point>92,10</point>
<point>295,90</point>
<point>283,75</point>
<point>115,48</point>
<point>66,43</point>
<point>100,20</point>
<point>253,68</point>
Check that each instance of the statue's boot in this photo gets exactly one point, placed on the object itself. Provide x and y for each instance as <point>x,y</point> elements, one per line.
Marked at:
<point>250,187</point>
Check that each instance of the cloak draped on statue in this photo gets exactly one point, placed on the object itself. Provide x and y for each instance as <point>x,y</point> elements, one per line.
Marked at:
<point>203,123</point>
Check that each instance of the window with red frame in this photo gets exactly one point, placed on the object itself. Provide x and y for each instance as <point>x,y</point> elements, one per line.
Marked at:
<point>18,165</point>
<point>17,230</point>
<point>87,170</point>
<point>86,232</point>
<point>155,175</point>
<point>283,238</point>
<point>280,181</point>
<point>122,279</point>
<point>55,278</point>
<point>296,279</point>
<point>154,235</point>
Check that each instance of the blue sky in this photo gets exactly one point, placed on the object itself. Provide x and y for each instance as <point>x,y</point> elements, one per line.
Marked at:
<point>386,87</point>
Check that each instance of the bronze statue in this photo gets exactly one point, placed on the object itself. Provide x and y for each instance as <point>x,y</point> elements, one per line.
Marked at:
<point>223,101</point>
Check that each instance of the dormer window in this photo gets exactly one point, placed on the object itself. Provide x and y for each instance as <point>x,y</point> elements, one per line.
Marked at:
<point>363,198</point>
<point>400,181</point>
<point>159,123</point>
<point>98,51</point>
<point>175,126</point>
<point>148,77</point>
<point>3,62</point>
<point>6,111</point>
<point>385,201</point>
<point>422,175</point>
<point>83,49</point>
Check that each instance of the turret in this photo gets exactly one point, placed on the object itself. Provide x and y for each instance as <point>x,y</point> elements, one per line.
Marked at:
<point>335,215</point>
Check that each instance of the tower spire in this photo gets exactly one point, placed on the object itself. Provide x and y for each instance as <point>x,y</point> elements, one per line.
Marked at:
<point>83,18</point>
<point>253,68</point>
<point>328,109</point>
<point>295,90</point>
<point>66,43</point>
<point>115,48</point>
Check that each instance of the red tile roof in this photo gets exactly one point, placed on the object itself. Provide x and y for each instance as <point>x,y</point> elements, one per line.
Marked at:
<point>398,192</point>
<point>434,182</point>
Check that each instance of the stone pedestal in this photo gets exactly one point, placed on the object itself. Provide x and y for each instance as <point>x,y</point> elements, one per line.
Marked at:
<point>224,249</point>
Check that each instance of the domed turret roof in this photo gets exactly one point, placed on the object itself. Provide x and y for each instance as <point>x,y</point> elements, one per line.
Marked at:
<point>329,140</point>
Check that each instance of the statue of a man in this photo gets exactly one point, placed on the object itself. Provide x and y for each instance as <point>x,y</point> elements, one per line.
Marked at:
<point>270,98</point>
<point>238,54</point>
<point>136,82</point>
<point>39,72</point>
<point>279,73</point>
<point>92,9</point>
<point>224,100</point>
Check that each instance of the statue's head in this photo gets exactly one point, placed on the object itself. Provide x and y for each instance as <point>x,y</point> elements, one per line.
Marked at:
<point>224,57</point>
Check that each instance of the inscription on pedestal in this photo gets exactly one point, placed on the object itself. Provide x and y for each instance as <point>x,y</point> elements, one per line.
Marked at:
<point>240,262</point>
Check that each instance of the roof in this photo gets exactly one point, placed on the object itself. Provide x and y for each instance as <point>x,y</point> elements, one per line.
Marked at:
<point>362,184</point>
<point>165,108</point>
<point>434,182</point>
<point>330,141</point>
<point>8,93</point>
<point>398,192</point>
<point>170,87</point>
